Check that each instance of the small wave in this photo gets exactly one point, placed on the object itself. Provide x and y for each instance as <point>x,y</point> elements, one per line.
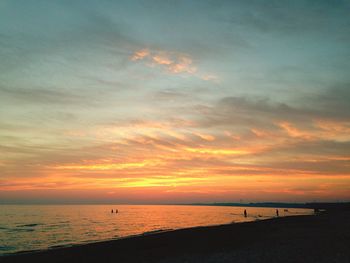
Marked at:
<point>64,243</point>
<point>21,230</point>
<point>29,225</point>
<point>156,231</point>
<point>59,246</point>
<point>6,248</point>
<point>57,225</point>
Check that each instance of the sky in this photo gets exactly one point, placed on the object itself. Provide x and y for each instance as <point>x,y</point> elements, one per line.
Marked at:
<point>174,101</point>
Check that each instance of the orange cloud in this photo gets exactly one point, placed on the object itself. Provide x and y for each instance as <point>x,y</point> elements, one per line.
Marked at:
<point>140,54</point>
<point>209,77</point>
<point>184,64</point>
<point>292,131</point>
<point>177,156</point>
<point>172,62</point>
<point>110,166</point>
<point>334,129</point>
<point>162,59</point>
<point>217,151</point>
<point>205,137</point>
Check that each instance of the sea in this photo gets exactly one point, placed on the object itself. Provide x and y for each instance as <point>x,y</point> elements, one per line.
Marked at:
<point>38,227</point>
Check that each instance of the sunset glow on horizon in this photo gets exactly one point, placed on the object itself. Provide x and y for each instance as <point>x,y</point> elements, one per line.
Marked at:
<point>162,102</point>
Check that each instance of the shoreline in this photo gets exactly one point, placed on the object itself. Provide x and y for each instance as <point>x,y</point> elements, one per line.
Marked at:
<point>306,238</point>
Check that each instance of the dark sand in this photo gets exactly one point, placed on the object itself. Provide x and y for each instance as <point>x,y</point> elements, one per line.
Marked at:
<point>319,238</point>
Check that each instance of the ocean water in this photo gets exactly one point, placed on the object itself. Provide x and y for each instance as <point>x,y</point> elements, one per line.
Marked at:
<point>32,227</point>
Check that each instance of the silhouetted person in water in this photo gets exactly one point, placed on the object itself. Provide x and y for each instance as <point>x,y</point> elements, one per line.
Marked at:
<point>112,211</point>
<point>277,214</point>
<point>116,211</point>
<point>245,213</point>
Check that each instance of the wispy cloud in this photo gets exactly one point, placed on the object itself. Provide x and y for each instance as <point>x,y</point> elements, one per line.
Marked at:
<point>171,62</point>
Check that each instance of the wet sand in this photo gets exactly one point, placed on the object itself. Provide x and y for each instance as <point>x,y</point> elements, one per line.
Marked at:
<point>318,238</point>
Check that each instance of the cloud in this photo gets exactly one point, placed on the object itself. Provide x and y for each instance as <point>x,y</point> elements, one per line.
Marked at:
<point>171,62</point>
<point>293,131</point>
<point>163,59</point>
<point>140,54</point>
<point>302,114</point>
<point>41,96</point>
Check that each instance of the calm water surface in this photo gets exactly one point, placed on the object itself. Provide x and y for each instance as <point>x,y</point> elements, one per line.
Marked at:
<point>25,227</point>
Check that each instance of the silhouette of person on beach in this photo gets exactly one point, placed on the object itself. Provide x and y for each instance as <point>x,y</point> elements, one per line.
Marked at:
<point>245,213</point>
<point>277,213</point>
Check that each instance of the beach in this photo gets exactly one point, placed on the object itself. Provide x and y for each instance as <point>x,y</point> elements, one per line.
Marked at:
<point>318,238</point>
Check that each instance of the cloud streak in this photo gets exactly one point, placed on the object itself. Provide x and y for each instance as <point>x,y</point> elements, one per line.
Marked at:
<point>171,62</point>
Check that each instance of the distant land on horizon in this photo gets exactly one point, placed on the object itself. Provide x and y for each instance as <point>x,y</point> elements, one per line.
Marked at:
<point>311,205</point>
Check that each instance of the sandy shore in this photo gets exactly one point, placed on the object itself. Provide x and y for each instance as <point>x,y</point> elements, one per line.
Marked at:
<point>321,238</point>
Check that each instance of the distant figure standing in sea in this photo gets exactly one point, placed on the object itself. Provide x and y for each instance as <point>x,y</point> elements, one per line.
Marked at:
<point>112,211</point>
<point>277,213</point>
<point>245,213</point>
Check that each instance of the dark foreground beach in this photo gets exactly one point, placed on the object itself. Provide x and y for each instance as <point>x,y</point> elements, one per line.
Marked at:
<point>319,238</point>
